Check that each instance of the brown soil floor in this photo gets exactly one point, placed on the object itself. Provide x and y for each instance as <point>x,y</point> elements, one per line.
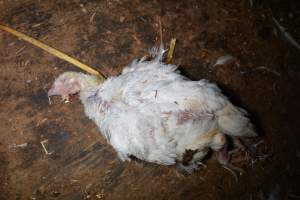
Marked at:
<point>108,34</point>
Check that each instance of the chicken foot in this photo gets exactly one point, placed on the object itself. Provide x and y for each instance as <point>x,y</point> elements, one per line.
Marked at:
<point>193,164</point>
<point>225,157</point>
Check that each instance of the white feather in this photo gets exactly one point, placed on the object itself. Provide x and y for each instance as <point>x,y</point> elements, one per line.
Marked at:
<point>223,60</point>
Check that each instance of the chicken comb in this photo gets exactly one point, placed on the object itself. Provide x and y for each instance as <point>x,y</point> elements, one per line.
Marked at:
<point>53,51</point>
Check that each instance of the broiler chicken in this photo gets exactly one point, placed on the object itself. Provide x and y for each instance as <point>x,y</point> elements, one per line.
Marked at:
<point>155,114</point>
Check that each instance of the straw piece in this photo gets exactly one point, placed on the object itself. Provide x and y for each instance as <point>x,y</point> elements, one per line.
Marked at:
<point>53,51</point>
<point>171,50</point>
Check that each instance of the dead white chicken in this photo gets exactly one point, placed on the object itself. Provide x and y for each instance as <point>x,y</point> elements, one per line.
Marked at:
<point>154,113</point>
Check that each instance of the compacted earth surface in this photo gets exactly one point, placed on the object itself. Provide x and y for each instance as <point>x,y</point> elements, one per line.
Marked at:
<point>262,76</point>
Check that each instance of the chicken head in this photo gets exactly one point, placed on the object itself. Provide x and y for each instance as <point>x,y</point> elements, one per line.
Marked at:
<point>65,85</point>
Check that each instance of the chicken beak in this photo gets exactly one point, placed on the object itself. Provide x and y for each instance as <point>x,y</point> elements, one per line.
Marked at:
<point>66,98</point>
<point>53,92</point>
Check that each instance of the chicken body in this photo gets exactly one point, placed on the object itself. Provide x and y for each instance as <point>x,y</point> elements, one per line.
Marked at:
<point>154,113</point>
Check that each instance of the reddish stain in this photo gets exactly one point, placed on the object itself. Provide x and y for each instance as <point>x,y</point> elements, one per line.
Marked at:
<point>183,117</point>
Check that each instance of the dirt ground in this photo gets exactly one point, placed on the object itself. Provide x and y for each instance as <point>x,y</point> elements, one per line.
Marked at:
<point>263,78</point>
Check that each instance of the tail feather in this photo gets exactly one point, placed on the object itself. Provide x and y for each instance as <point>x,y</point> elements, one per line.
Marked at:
<point>233,121</point>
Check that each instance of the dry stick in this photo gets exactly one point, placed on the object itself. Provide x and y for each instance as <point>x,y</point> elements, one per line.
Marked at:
<point>45,149</point>
<point>160,33</point>
<point>54,52</point>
